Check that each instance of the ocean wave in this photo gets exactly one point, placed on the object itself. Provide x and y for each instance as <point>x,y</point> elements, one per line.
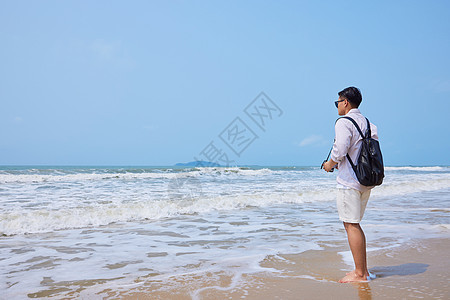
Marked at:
<point>26,220</point>
<point>77,177</point>
<point>96,214</point>
<point>411,168</point>
<point>411,186</point>
<point>98,174</point>
<point>52,204</point>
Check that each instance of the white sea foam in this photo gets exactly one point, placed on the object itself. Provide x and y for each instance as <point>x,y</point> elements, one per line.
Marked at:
<point>96,214</point>
<point>31,203</point>
<point>80,177</point>
<point>413,185</point>
<point>427,169</point>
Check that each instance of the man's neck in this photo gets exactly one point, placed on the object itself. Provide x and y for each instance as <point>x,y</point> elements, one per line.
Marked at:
<point>349,109</point>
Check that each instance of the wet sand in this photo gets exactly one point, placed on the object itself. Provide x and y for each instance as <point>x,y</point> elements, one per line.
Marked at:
<point>419,269</point>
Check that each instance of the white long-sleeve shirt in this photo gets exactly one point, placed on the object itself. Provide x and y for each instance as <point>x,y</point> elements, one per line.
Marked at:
<point>348,140</point>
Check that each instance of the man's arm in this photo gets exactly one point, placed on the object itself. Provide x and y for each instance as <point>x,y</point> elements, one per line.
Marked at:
<point>340,147</point>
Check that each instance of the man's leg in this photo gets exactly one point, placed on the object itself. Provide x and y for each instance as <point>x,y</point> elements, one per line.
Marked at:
<point>357,242</point>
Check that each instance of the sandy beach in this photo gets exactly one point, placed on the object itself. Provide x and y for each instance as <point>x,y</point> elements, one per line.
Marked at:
<point>417,270</point>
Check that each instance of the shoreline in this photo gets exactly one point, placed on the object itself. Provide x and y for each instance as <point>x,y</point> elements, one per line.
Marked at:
<point>417,269</point>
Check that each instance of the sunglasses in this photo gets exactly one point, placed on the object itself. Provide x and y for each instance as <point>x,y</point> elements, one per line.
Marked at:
<point>337,102</point>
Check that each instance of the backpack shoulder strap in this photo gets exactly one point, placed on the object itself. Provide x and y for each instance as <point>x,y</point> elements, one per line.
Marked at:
<point>369,131</point>
<point>356,125</point>
<point>362,135</point>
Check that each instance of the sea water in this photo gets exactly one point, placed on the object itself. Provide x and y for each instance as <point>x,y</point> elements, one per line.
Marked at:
<point>71,231</point>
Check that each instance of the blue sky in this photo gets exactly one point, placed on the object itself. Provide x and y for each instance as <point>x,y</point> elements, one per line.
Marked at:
<point>156,82</point>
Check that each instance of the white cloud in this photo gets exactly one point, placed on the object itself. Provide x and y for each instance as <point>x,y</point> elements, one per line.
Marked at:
<point>105,50</point>
<point>312,140</point>
<point>18,120</point>
<point>150,127</point>
<point>440,85</point>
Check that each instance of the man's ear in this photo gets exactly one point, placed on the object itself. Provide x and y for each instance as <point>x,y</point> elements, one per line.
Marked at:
<point>349,104</point>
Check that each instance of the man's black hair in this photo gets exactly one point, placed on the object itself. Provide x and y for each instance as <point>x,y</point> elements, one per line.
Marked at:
<point>352,94</point>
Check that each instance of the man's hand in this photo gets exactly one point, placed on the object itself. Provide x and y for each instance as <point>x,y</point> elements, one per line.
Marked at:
<point>329,165</point>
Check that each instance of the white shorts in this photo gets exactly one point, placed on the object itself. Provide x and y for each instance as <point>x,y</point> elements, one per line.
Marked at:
<point>351,204</point>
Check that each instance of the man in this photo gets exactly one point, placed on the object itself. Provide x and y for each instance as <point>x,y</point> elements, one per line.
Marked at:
<point>352,197</point>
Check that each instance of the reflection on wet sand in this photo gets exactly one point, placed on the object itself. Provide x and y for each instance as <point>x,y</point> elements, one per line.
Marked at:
<point>364,290</point>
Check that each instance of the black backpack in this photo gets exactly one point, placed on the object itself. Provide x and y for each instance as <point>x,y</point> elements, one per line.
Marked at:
<point>370,169</point>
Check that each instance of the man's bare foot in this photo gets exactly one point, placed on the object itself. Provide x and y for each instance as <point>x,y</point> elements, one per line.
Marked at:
<point>353,277</point>
<point>368,274</point>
